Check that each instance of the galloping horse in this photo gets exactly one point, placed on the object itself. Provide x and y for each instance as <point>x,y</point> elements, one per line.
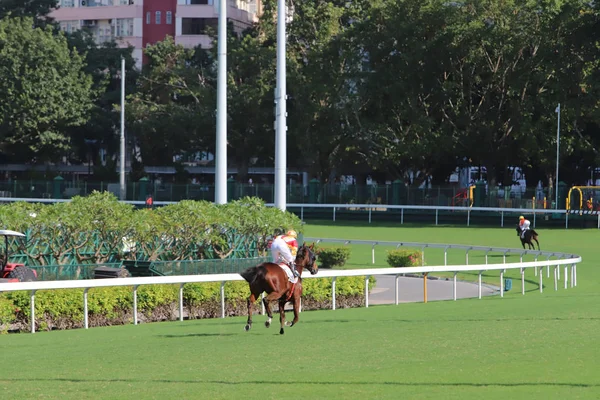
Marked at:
<point>527,238</point>
<point>271,278</point>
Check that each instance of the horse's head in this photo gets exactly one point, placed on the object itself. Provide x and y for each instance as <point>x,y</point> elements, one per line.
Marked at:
<point>307,258</point>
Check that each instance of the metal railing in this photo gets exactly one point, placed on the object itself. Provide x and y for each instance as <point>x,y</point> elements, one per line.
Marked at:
<point>322,193</point>
<point>561,259</point>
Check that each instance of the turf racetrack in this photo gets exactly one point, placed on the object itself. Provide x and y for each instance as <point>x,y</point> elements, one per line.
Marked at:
<point>537,346</point>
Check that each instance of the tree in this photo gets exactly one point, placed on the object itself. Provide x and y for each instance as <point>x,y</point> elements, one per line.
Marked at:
<point>27,8</point>
<point>173,110</point>
<point>103,64</point>
<point>43,90</point>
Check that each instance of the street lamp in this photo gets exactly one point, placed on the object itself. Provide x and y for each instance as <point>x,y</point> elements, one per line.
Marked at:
<point>557,110</point>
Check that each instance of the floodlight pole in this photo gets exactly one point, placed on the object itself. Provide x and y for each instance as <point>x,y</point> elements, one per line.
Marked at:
<point>122,191</point>
<point>557,152</point>
<point>221,142</point>
<point>280,110</point>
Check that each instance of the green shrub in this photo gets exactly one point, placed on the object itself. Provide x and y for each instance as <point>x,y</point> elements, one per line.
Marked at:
<point>63,309</point>
<point>404,258</point>
<point>331,257</point>
<point>7,314</point>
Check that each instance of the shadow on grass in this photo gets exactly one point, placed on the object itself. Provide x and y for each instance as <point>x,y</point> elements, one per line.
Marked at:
<point>314,383</point>
<point>197,335</point>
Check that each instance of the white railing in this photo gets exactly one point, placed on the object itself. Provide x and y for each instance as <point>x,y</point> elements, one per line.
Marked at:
<point>372,208</point>
<point>566,260</point>
<point>375,208</point>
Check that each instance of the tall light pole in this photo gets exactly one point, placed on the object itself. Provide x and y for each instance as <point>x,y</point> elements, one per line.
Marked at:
<point>557,110</point>
<point>280,110</point>
<point>122,191</point>
<point>221,145</point>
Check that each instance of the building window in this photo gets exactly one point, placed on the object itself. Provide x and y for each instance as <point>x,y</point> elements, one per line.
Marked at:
<point>66,3</point>
<point>198,26</point>
<point>169,18</point>
<point>208,2</point>
<point>123,27</point>
<point>148,18</point>
<point>158,17</point>
<point>69,26</point>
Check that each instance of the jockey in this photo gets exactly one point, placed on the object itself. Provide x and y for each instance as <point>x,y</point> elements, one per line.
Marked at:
<point>284,248</point>
<point>523,225</point>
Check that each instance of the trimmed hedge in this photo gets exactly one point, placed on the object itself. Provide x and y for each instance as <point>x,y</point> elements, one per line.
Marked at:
<point>331,257</point>
<point>63,309</point>
<point>400,258</point>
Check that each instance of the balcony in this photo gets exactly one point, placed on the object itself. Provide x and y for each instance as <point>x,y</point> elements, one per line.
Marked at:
<point>97,13</point>
<point>191,41</point>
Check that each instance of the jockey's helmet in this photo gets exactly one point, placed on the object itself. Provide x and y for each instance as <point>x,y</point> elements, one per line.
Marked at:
<point>292,233</point>
<point>521,217</point>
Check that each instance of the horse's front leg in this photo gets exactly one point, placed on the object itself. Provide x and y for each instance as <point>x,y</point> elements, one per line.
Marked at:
<point>297,298</point>
<point>281,315</point>
<point>251,300</point>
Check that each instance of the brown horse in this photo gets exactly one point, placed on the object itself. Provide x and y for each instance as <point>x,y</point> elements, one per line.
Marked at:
<point>271,278</point>
<point>529,236</point>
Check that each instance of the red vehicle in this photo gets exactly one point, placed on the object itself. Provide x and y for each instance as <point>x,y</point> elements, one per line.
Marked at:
<point>13,272</point>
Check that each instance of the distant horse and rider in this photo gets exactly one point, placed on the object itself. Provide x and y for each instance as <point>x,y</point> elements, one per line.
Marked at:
<point>281,287</point>
<point>527,235</point>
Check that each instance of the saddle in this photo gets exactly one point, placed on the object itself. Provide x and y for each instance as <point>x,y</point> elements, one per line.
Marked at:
<point>288,271</point>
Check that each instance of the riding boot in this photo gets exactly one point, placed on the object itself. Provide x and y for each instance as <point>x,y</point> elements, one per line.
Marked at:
<point>293,268</point>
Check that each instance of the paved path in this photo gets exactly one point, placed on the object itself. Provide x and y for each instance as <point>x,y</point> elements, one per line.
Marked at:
<point>411,290</point>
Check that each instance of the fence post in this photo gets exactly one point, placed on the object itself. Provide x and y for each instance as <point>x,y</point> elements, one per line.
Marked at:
<point>181,301</point>
<point>32,303</point>
<point>85,308</point>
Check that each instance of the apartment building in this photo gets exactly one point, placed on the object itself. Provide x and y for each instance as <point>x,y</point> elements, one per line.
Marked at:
<point>142,22</point>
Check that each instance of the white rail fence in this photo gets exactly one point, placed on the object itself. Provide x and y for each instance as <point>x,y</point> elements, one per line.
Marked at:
<point>376,208</point>
<point>568,261</point>
<point>373,208</point>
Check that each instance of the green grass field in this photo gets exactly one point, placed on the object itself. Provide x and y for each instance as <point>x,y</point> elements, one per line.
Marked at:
<point>537,346</point>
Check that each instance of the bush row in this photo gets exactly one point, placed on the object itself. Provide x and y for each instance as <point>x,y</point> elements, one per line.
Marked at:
<point>332,257</point>
<point>63,309</point>
<point>98,229</point>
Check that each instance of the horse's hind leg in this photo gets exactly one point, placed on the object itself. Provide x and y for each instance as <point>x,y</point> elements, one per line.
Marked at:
<point>281,315</point>
<point>538,243</point>
<point>251,301</point>
<point>267,302</point>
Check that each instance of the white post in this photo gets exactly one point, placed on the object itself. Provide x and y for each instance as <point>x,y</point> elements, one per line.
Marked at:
<point>557,152</point>
<point>397,289</point>
<point>181,301</point>
<point>479,285</point>
<point>122,191</point>
<point>566,277</point>
<point>555,279</point>
<point>501,283</point>
<point>454,287</point>
<point>135,316</point>
<point>223,299</point>
<point>221,142</point>
<point>541,283</point>
<point>523,281</point>
<point>85,308</point>
<point>32,303</point>
<point>281,109</point>
<point>366,291</point>
<point>333,293</point>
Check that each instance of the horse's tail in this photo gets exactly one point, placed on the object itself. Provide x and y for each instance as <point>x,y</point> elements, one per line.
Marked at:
<point>253,273</point>
<point>533,232</point>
